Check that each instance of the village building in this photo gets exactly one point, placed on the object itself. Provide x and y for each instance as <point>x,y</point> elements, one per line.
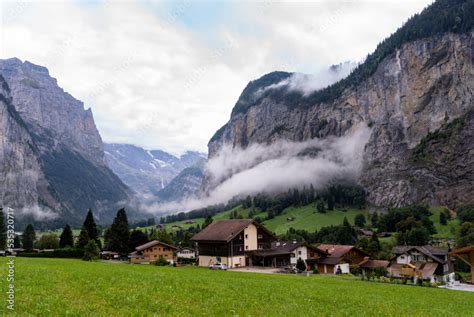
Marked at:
<point>152,251</point>
<point>186,253</point>
<point>425,262</point>
<point>231,242</point>
<point>369,265</point>
<point>285,253</point>
<point>466,255</point>
<point>339,258</point>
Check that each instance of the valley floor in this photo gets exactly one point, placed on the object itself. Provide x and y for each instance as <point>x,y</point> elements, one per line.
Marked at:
<point>52,287</point>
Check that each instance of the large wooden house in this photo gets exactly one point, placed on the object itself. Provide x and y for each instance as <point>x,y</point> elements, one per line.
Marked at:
<point>338,258</point>
<point>426,262</point>
<point>152,251</point>
<point>231,242</point>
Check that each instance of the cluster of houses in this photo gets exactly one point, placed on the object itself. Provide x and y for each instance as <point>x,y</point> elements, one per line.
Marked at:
<point>244,242</point>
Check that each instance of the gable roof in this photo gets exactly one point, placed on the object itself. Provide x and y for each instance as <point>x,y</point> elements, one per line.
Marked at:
<point>285,247</point>
<point>336,250</point>
<point>432,252</point>
<point>225,230</point>
<point>372,264</point>
<point>153,243</point>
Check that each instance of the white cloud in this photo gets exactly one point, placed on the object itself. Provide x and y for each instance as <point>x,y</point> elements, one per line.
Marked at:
<point>274,168</point>
<point>155,82</point>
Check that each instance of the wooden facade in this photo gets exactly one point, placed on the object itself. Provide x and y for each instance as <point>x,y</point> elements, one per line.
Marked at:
<point>152,251</point>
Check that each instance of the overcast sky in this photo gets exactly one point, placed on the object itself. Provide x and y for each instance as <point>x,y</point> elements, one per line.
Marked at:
<point>165,75</point>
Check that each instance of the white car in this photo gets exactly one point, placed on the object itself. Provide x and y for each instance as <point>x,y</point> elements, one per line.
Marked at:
<point>218,266</point>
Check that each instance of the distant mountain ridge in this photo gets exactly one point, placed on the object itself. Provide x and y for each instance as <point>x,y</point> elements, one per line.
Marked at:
<point>149,171</point>
<point>52,167</point>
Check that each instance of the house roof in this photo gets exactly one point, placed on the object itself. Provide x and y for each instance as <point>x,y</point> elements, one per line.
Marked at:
<point>336,250</point>
<point>465,250</point>
<point>372,264</point>
<point>432,252</point>
<point>225,230</point>
<point>153,243</point>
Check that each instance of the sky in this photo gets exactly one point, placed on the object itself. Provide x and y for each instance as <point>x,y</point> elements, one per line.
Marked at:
<point>166,74</point>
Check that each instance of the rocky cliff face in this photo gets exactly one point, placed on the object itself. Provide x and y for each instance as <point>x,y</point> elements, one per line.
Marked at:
<point>54,150</point>
<point>415,92</point>
<point>147,171</point>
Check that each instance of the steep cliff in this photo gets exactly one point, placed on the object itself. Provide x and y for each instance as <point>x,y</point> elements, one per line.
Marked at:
<point>406,93</point>
<point>57,146</point>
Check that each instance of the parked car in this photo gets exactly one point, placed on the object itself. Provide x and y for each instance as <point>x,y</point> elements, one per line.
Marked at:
<point>218,266</point>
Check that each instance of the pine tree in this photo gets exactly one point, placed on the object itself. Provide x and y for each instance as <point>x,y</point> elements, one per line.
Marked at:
<point>66,239</point>
<point>330,202</point>
<point>207,222</point>
<point>119,240</point>
<point>375,220</point>
<point>91,251</point>
<point>3,231</point>
<point>29,237</point>
<point>137,237</point>
<point>17,242</point>
<point>91,228</point>
<point>320,206</point>
<point>359,220</point>
<point>83,239</point>
<point>300,265</point>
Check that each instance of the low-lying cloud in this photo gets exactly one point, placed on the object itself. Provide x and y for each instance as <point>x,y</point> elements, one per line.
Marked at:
<point>307,84</point>
<point>276,167</point>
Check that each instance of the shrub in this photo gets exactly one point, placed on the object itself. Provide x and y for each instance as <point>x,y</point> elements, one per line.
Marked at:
<point>355,269</point>
<point>91,251</point>
<point>161,262</point>
<point>315,270</point>
<point>300,265</point>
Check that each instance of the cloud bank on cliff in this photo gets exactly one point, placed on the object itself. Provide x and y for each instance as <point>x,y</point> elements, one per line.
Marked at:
<point>273,168</point>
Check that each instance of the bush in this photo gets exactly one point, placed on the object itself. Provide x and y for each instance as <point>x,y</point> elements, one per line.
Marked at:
<point>315,270</point>
<point>300,265</point>
<point>380,271</point>
<point>161,262</point>
<point>91,251</point>
<point>355,269</point>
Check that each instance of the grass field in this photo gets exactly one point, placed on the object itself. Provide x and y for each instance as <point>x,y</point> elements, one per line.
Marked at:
<point>53,287</point>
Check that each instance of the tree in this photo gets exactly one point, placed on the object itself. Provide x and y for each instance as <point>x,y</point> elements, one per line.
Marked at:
<point>29,237</point>
<point>466,213</point>
<point>414,236</point>
<point>442,219</point>
<point>359,220</point>
<point>330,202</point>
<point>207,222</point>
<point>465,236</point>
<point>17,242</point>
<point>3,231</point>
<point>66,238</point>
<point>91,251</point>
<point>119,236</point>
<point>320,207</point>
<point>137,237</point>
<point>375,220</point>
<point>83,239</point>
<point>300,265</point>
<point>48,241</point>
<point>91,228</point>
<point>374,247</point>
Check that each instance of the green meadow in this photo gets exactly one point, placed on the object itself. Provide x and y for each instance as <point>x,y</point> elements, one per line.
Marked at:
<point>60,287</point>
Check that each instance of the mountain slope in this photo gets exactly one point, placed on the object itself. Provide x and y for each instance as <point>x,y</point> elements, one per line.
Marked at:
<point>67,158</point>
<point>147,171</point>
<point>417,82</point>
<point>185,185</point>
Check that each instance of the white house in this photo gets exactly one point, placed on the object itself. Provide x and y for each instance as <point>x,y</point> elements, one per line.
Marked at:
<point>186,253</point>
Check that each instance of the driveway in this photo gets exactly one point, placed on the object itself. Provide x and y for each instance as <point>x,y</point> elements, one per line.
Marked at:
<point>256,269</point>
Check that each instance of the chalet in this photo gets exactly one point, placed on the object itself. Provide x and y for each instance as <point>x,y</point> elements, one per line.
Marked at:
<point>426,262</point>
<point>231,242</point>
<point>186,253</point>
<point>152,251</point>
<point>284,253</point>
<point>370,265</point>
<point>338,258</point>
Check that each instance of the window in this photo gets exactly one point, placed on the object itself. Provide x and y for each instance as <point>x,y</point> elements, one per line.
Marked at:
<point>240,248</point>
<point>246,236</point>
<point>299,252</point>
<point>246,247</point>
<point>260,246</point>
<point>260,236</point>
<point>240,237</point>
